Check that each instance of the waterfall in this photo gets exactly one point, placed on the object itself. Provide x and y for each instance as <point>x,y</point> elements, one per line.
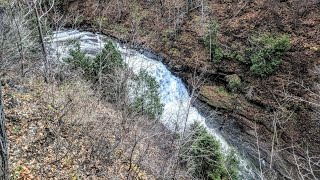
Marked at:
<point>173,93</point>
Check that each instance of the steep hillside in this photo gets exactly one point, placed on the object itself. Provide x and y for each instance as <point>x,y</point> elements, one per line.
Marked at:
<point>280,111</point>
<point>66,132</point>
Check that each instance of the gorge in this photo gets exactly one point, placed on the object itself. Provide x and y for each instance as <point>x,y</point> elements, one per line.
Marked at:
<point>248,71</point>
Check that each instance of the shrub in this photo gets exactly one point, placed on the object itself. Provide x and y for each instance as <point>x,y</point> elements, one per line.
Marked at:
<point>231,164</point>
<point>107,62</point>
<point>217,54</point>
<point>266,53</point>
<point>204,158</point>
<point>234,82</point>
<point>104,70</point>
<point>235,54</point>
<point>80,60</point>
<point>147,97</point>
<point>212,43</point>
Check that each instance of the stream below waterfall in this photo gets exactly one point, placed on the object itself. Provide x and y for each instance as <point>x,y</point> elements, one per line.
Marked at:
<point>173,93</point>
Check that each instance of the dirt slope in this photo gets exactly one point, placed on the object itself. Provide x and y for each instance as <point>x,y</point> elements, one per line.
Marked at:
<point>65,132</point>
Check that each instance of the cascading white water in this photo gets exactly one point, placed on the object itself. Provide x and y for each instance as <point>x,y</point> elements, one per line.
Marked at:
<point>174,94</point>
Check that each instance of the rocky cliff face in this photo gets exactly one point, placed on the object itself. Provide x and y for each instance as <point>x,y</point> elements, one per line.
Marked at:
<point>274,118</point>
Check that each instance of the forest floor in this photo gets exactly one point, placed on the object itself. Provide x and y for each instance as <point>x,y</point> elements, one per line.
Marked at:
<point>65,132</point>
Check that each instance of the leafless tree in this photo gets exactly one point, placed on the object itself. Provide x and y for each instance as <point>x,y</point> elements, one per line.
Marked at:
<point>15,13</point>
<point>3,142</point>
<point>2,11</point>
<point>40,11</point>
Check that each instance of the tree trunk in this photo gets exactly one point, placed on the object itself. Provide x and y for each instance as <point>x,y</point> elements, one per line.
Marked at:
<point>20,46</point>
<point>1,34</point>
<point>41,41</point>
<point>189,5</point>
<point>3,143</point>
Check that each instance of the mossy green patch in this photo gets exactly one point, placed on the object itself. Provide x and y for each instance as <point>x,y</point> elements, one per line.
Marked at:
<point>217,96</point>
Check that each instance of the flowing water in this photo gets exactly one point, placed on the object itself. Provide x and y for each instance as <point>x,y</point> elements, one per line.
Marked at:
<point>174,94</point>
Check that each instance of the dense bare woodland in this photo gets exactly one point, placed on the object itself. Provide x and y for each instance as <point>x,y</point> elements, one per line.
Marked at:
<point>251,68</point>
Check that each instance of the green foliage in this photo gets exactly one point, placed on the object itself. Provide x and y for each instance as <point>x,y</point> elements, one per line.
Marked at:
<point>5,3</point>
<point>119,29</point>
<point>231,165</point>
<point>266,53</point>
<point>213,33</point>
<point>147,97</point>
<point>104,69</point>
<point>204,158</point>
<point>212,43</point>
<point>107,62</point>
<point>16,173</point>
<point>234,82</point>
<point>217,54</point>
<point>80,60</point>
<point>99,22</point>
<point>72,41</point>
<point>235,54</point>
<point>264,56</point>
<point>78,20</point>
